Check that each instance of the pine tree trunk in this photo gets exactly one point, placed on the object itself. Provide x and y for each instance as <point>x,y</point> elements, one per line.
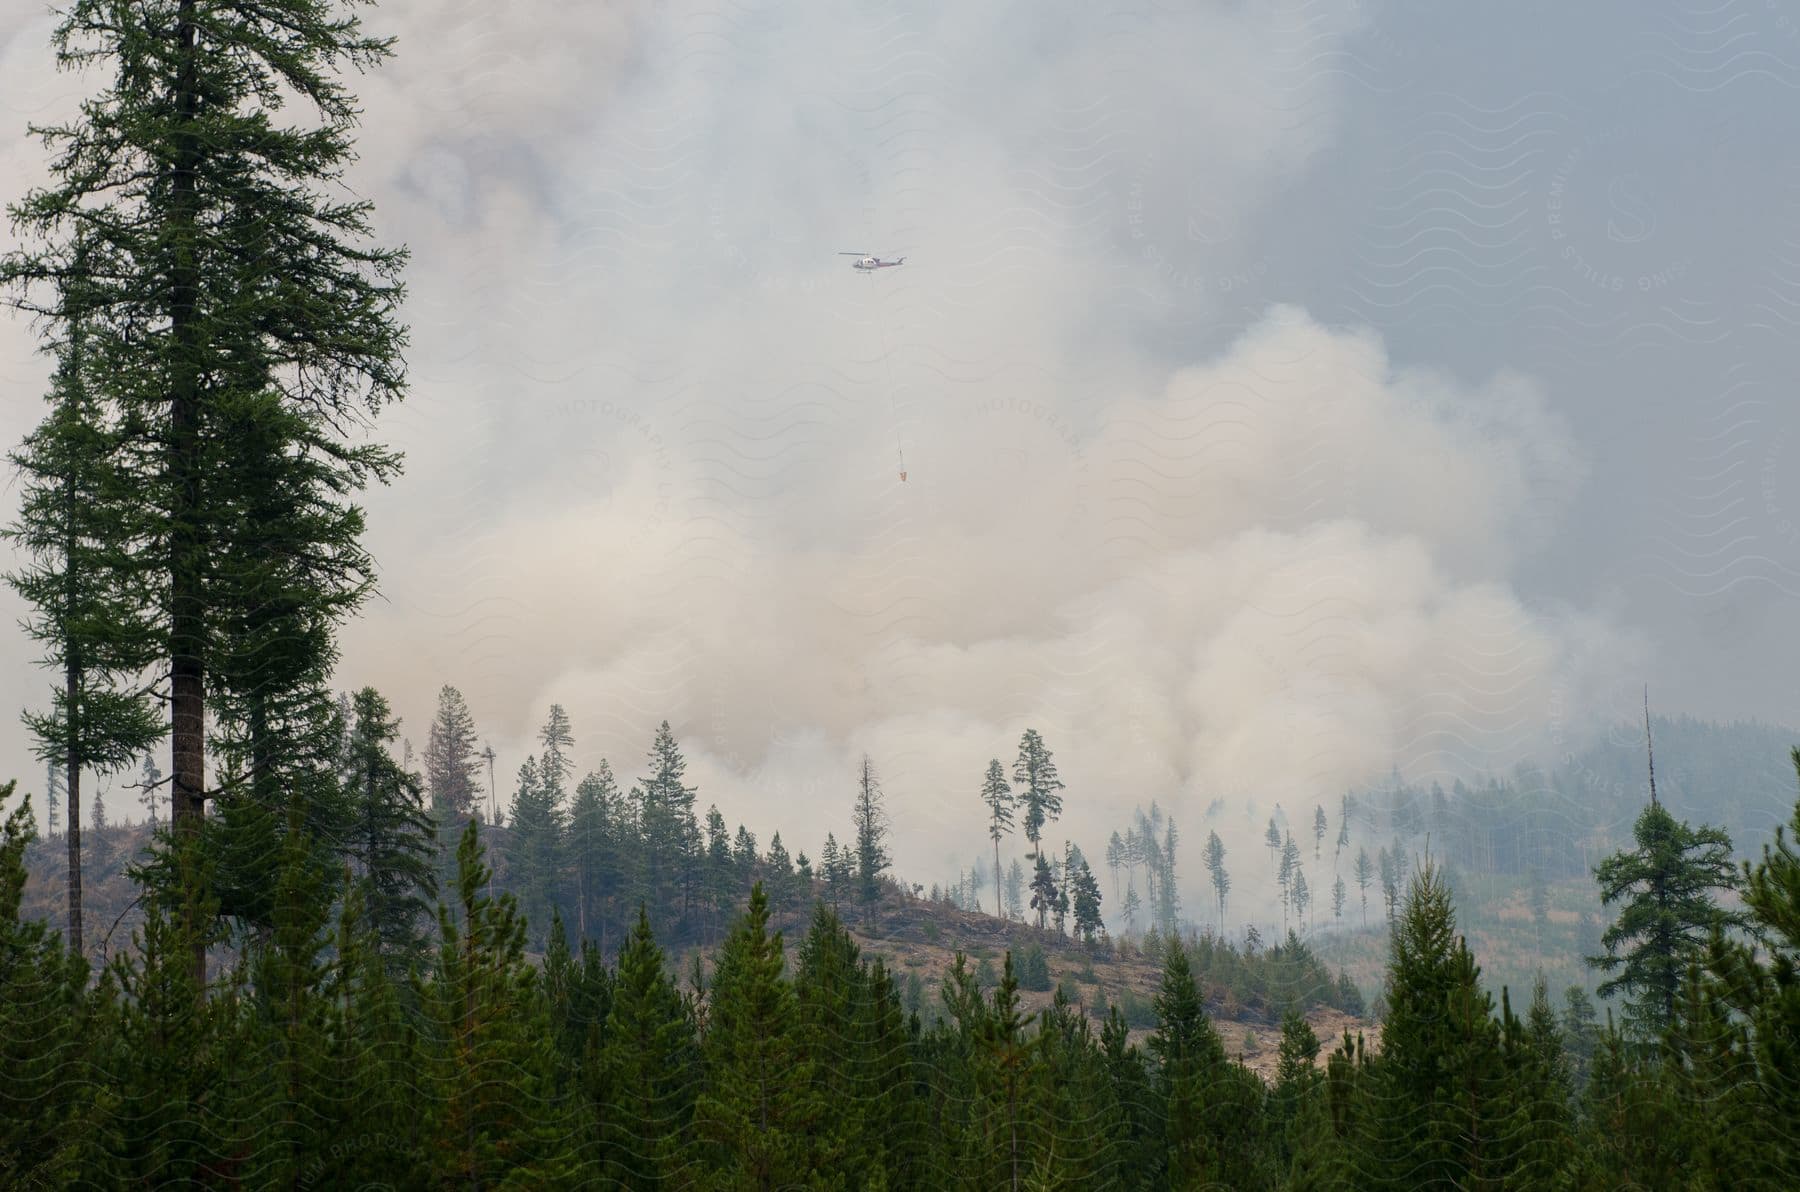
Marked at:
<point>72,723</point>
<point>187,710</point>
<point>999,903</point>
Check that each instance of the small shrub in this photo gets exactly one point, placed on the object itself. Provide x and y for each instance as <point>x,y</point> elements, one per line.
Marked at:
<point>1139,1012</point>
<point>1033,969</point>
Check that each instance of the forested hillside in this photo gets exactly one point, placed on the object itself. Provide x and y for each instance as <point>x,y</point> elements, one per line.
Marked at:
<point>326,960</point>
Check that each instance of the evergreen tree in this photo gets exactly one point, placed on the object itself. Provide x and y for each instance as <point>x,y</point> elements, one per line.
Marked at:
<point>781,878</point>
<point>718,865</point>
<point>1539,899</point>
<point>1666,884</point>
<point>216,274</point>
<point>1284,877</point>
<point>557,737</point>
<point>44,1017</point>
<point>1297,1081</point>
<point>1437,1117</point>
<point>1168,893</point>
<point>1015,891</point>
<point>1208,1107</point>
<point>871,835</point>
<point>1537,1130</point>
<point>1035,770</point>
<point>452,763</point>
<point>1343,836</point>
<point>536,832</point>
<point>1742,1053</point>
<point>390,836</point>
<point>1086,903</point>
<point>1272,838</point>
<point>77,519</point>
<point>1115,858</point>
<point>1043,891</point>
<point>829,865</point>
<point>598,846</point>
<point>758,1111</point>
<point>496,1077</point>
<point>859,1051</point>
<point>1580,1032</point>
<point>671,833</point>
<point>1337,899</point>
<point>1215,869</point>
<point>998,795</point>
<point>149,789</point>
<point>1319,826</point>
<point>1365,873</point>
<point>646,1073</point>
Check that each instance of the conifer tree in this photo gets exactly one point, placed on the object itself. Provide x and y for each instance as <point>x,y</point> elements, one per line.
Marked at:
<point>1388,867</point>
<point>1297,1081</point>
<point>534,837</point>
<point>214,270</point>
<point>998,795</point>
<point>1666,883</point>
<point>1208,1109</point>
<point>1536,1132</point>
<point>870,818</point>
<point>1015,890</point>
<point>670,830</point>
<point>496,1077</point>
<point>1043,891</point>
<point>1337,899</point>
<point>1319,826</point>
<point>1365,873</point>
<point>150,790</point>
<point>829,865</point>
<point>1008,1089</point>
<point>452,762</point>
<point>1272,838</point>
<point>77,521</point>
<point>391,835</point>
<point>1035,771</point>
<point>1086,902</point>
<point>758,1112</point>
<point>599,848</point>
<point>647,1073</point>
<point>1215,870</point>
<point>1343,836</point>
<point>743,857</point>
<point>44,1015</point>
<point>781,878</point>
<point>1438,1114</point>
<point>718,865</point>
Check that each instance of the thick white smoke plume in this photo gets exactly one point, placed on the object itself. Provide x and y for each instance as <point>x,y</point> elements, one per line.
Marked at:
<point>657,424</point>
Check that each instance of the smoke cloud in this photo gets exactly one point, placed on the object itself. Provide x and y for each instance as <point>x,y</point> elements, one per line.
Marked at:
<point>657,425</point>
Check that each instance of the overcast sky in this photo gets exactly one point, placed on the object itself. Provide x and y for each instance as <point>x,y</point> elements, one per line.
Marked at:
<point>1286,391</point>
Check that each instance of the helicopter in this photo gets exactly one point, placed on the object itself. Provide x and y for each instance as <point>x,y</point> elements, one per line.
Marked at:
<point>868,263</point>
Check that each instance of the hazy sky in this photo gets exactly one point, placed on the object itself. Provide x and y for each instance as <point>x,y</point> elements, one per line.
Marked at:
<point>1286,391</point>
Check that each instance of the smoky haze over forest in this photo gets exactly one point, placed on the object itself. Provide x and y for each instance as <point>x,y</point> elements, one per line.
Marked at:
<point>1285,394</point>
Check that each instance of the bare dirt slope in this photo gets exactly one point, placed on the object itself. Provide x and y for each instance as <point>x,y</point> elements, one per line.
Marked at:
<point>913,936</point>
